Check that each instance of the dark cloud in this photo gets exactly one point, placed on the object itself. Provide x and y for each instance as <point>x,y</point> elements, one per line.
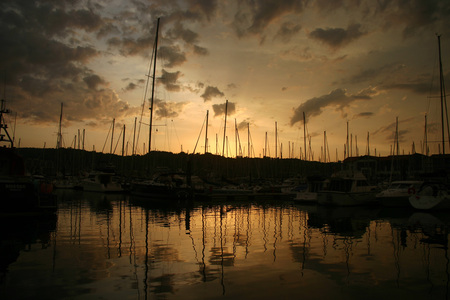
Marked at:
<point>204,7</point>
<point>172,55</point>
<point>45,46</point>
<point>415,15</point>
<point>371,74</point>
<point>131,86</point>
<point>169,80</point>
<point>337,37</point>
<point>389,130</point>
<point>418,87</point>
<point>211,92</point>
<point>253,17</point>
<point>219,109</point>
<point>244,124</point>
<point>93,81</point>
<point>366,114</point>
<point>200,50</point>
<point>338,98</point>
<point>231,86</point>
<point>179,32</point>
<point>168,109</point>
<point>287,31</point>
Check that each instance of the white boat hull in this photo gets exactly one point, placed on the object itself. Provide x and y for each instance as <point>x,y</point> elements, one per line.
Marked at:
<point>427,202</point>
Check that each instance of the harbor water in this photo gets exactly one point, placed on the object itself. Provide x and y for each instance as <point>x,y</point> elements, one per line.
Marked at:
<point>115,246</point>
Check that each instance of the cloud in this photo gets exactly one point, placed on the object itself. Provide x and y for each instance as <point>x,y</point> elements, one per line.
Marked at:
<point>168,109</point>
<point>131,86</point>
<point>337,37</point>
<point>172,55</point>
<point>253,17</point>
<point>93,81</point>
<point>287,31</point>
<point>169,80</point>
<point>244,124</point>
<point>338,98</point>
<point>179,32</point>
<point>219,109</point>
<point>200,50</point>
<point>211,92</point>
<point>389,130</point>
<point>415,15</point>
<point>365,114</point>
<point>370,74</point>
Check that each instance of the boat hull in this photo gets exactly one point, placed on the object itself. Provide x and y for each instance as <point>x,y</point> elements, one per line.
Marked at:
<point>394,201</point>
<point>102,188</point>
<point>429,202</point>
<point>335,198</point>
<point>306,197</point>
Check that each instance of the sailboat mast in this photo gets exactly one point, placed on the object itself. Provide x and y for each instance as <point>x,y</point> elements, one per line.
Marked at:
<point>441,83</point>
<point>425,150</point>
<point>248,139</point>
<point>225,128</point>
<point>112,135</point>
<point>206,133</point>
<point>304,133</point>
<point>123,140</point>
<point>153,89</point>
<point>276,140</point>
<point>59,139</point>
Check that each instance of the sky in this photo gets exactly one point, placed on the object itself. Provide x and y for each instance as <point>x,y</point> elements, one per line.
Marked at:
<point>350,64</point>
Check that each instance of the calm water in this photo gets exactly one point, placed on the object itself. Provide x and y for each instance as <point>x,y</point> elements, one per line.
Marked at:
<point>109,247</point>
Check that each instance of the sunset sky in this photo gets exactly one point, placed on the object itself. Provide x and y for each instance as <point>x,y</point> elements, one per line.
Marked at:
<point>355,61</point>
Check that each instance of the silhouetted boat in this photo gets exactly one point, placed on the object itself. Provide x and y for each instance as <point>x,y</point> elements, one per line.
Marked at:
<point>20,193</point>
<point>99,181</point>
<point>431,196</point>
<point>348,188</point>
<point>435,195</point>
<point>398,193</point>
<point>309,195</point>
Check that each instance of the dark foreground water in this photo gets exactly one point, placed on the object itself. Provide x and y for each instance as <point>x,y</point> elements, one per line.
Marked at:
<point>111,247</point>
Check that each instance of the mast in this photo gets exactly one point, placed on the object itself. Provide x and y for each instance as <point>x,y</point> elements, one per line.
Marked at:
<point>153,89</point>
<point>304,133</point>
<point>206,133</point>
<point>225,128</point>
<point>425,150</point>
<point>348,150</point>
<point>4,127</point>
<point>248,139</point>
<point>123,140</point>
<point>443,98</point>
<point>112,135</point>
<point>134,136</point>
<point>396,135</point>
<point>276,141</point>
<point>236,137</point>
<point>59,138</point>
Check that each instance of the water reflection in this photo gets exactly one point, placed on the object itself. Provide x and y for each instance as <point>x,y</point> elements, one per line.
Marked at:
<point>115,246</point>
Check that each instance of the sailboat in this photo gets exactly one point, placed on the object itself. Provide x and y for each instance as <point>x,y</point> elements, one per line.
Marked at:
<point>165,185</point>
<point>19,192</point>
<point>434,195</point>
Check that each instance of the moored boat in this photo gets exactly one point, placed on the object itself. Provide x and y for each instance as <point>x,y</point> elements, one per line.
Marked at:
<point>348,188</point>
<point>431,196</point>
<point>309,195</point>
<point>398,193</point>
<point>103,182</point>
